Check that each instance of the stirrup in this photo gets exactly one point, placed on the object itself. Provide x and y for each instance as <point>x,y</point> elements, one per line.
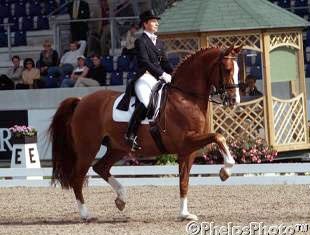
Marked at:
<point>133,142</point>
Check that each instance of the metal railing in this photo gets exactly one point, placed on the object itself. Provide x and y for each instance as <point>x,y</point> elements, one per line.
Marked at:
<point>112,22</point>
<point>7,26</point>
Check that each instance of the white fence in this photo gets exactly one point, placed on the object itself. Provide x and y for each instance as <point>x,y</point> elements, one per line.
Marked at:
<point>245,174</point>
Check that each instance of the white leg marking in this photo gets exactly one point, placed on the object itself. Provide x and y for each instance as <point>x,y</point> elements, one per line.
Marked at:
<point>236,81</point>
<point>229,161</point>
<point>184,214</point>
<point>83,210</point>
<point>118,188</point>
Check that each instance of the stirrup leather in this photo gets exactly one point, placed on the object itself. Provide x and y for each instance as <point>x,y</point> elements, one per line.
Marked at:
<point>132,140</point>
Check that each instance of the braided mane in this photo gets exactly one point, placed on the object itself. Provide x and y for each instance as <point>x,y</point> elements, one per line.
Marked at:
<point>189,59</point>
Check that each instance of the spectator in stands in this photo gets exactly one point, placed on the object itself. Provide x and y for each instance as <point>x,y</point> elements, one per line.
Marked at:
<point>251,89</point>
<point>105,39</point>
<point>131,37</point>
<point>48,59</point>
<point>80,71</point>
<point>96,75</point>
<point>15,71</point>
<point>30,75</point>
<point>70,57</point>
<point>78,9</point>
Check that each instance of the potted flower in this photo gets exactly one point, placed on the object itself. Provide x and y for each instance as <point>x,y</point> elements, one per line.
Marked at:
<point>243,150</point>
<point>23,134</point>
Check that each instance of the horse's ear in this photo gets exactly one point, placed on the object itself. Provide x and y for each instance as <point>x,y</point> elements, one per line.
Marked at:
<point>238,49</point>
<point>229,50</point>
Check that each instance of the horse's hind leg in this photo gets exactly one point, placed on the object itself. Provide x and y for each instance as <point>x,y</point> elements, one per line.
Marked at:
<point>102,168</point>
<point>84,161</point>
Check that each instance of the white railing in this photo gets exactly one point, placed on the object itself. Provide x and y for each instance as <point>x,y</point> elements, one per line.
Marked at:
<point>244,174</point>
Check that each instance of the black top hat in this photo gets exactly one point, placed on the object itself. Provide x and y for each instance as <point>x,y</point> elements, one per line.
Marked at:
<point>148,15</point>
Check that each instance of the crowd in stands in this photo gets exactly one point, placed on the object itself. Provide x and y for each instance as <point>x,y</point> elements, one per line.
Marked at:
<point>72,69</point>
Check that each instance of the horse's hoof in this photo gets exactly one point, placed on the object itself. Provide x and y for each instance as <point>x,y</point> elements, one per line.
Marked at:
<point>188,217</point>
<point>120,204</point>
<point>224,173</point>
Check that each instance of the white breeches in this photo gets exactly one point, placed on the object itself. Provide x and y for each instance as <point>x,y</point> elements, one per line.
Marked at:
<point>144,86</point>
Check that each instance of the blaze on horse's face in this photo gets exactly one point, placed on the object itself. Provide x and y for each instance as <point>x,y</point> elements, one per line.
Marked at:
<point>230,70</point>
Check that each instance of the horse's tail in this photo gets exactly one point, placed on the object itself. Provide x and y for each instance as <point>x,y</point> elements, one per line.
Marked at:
<point>63,153</point>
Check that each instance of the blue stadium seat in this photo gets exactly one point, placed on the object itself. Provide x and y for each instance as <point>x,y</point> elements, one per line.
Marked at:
<point>116,79</point>
<point>3,39</point>
<point>307,70</point>
<point>43,23</point>
<point>284,3</point>
<point>131,75</point>
<point>301,7</point>
<point>27,23</point>
<point>15,22</point>
<point>123,63</point>
<point>107,62</point>
<point>19,38</point>
<point>89,62</point>
<point>4,11</point>
<point>35,9</point>
<point>20,9</point>
<point>49,6</point>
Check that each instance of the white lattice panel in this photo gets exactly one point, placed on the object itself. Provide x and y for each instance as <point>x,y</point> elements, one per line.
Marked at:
<point>247,119</point>
<point>289,120</point>
<point>284,39</point>
<point>189,45</point>
<point>251,41</point>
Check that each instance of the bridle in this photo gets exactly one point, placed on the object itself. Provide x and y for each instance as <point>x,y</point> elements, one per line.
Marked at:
<point>221,92</point>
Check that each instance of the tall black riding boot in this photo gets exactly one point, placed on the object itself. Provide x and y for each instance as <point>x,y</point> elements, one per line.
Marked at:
<point>135,120</point>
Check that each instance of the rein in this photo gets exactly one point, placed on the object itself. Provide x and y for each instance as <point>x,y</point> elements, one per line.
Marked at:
<point>221,91</point>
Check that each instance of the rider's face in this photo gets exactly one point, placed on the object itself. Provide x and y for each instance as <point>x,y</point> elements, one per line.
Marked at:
<point>151,25</point>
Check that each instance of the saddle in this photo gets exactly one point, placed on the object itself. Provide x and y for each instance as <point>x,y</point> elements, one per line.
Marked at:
<point>155,108</point>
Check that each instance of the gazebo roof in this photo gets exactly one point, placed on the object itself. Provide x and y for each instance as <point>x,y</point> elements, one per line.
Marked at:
<point>226,15</point>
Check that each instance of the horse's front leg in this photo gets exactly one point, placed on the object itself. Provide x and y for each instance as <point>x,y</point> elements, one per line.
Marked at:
<point>185,165</point>
<point>199,141</point>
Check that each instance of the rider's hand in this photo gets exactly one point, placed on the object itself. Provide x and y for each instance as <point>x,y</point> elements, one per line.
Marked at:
<point>166,77</point>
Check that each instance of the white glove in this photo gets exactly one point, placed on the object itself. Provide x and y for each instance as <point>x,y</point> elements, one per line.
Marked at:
<point>166,77</point>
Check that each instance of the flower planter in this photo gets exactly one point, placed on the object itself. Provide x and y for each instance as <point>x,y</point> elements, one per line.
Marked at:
<point>24,139</point>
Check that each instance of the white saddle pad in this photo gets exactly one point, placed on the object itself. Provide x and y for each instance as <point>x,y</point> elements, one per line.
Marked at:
<point>124,116</point>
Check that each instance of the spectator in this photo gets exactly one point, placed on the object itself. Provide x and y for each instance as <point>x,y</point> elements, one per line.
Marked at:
<point>48,58</point>
<point>30,75</point>
<point>80,71</point>
<point>15,71</point>
<point>78,9</point>
<point>96,75</point>
<point>70,57</point>
<point>131,37</point>
<point>251,89</point>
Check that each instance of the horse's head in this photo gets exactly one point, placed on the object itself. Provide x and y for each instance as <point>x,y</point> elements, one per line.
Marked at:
<point>226,84</point>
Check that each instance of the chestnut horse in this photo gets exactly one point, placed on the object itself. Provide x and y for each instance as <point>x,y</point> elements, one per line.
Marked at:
<point>80,126</point>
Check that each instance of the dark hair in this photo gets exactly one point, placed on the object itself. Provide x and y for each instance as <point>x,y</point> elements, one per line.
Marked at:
<point>29,60</point>
<point>250,76</point>
<point>15,57</point>
<point>96,55</point>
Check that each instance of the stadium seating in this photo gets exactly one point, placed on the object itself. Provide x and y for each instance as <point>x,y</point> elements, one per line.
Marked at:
<point>284,3</point>
<point>116,79</point>
<point>107,62</point>
<point>123,63</point>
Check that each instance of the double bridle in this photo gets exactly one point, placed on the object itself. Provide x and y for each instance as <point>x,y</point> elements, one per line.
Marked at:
<point>220,92</point>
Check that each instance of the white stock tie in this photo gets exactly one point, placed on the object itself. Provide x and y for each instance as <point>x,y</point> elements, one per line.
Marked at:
<point>153,38</point>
